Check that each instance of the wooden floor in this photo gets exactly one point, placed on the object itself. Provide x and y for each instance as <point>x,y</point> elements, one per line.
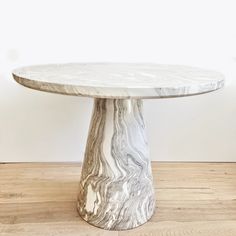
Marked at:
<point>192,199</point>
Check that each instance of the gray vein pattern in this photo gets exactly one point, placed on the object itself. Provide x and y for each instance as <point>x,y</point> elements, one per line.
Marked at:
<point>116,190</point>
<point>119,80</point>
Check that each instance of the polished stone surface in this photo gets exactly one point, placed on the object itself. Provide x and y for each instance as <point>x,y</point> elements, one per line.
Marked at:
<point>115,189</point>
<point>116,80</point>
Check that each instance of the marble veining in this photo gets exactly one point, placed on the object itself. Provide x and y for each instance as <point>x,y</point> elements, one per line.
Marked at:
<point>115,190</point>
<point>117,80</point>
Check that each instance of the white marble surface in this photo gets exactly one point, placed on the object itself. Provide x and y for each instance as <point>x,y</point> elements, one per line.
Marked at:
<point>116,190</point>
<point>117,80</point>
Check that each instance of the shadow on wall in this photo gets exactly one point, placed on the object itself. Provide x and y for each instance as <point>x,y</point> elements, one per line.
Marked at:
<point>197,128</point>
<point>38,126</point>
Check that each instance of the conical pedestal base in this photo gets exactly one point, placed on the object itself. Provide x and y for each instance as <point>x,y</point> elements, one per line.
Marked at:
<point>116,190</point>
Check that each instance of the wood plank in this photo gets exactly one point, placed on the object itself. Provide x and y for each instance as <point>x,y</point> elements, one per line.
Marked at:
<point>192,199</point>
<point>172,228</point>
<point>54,229</point>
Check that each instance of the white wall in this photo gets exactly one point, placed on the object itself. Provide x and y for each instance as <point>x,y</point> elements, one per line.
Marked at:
<point>36,126</point>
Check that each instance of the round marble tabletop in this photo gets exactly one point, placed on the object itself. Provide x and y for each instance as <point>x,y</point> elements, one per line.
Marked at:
<point>117,80</point>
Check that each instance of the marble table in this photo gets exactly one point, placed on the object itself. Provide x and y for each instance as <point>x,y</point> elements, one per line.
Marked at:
<point>116,190</point>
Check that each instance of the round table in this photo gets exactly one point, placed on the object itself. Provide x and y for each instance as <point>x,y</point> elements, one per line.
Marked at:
<point>116,190</point>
